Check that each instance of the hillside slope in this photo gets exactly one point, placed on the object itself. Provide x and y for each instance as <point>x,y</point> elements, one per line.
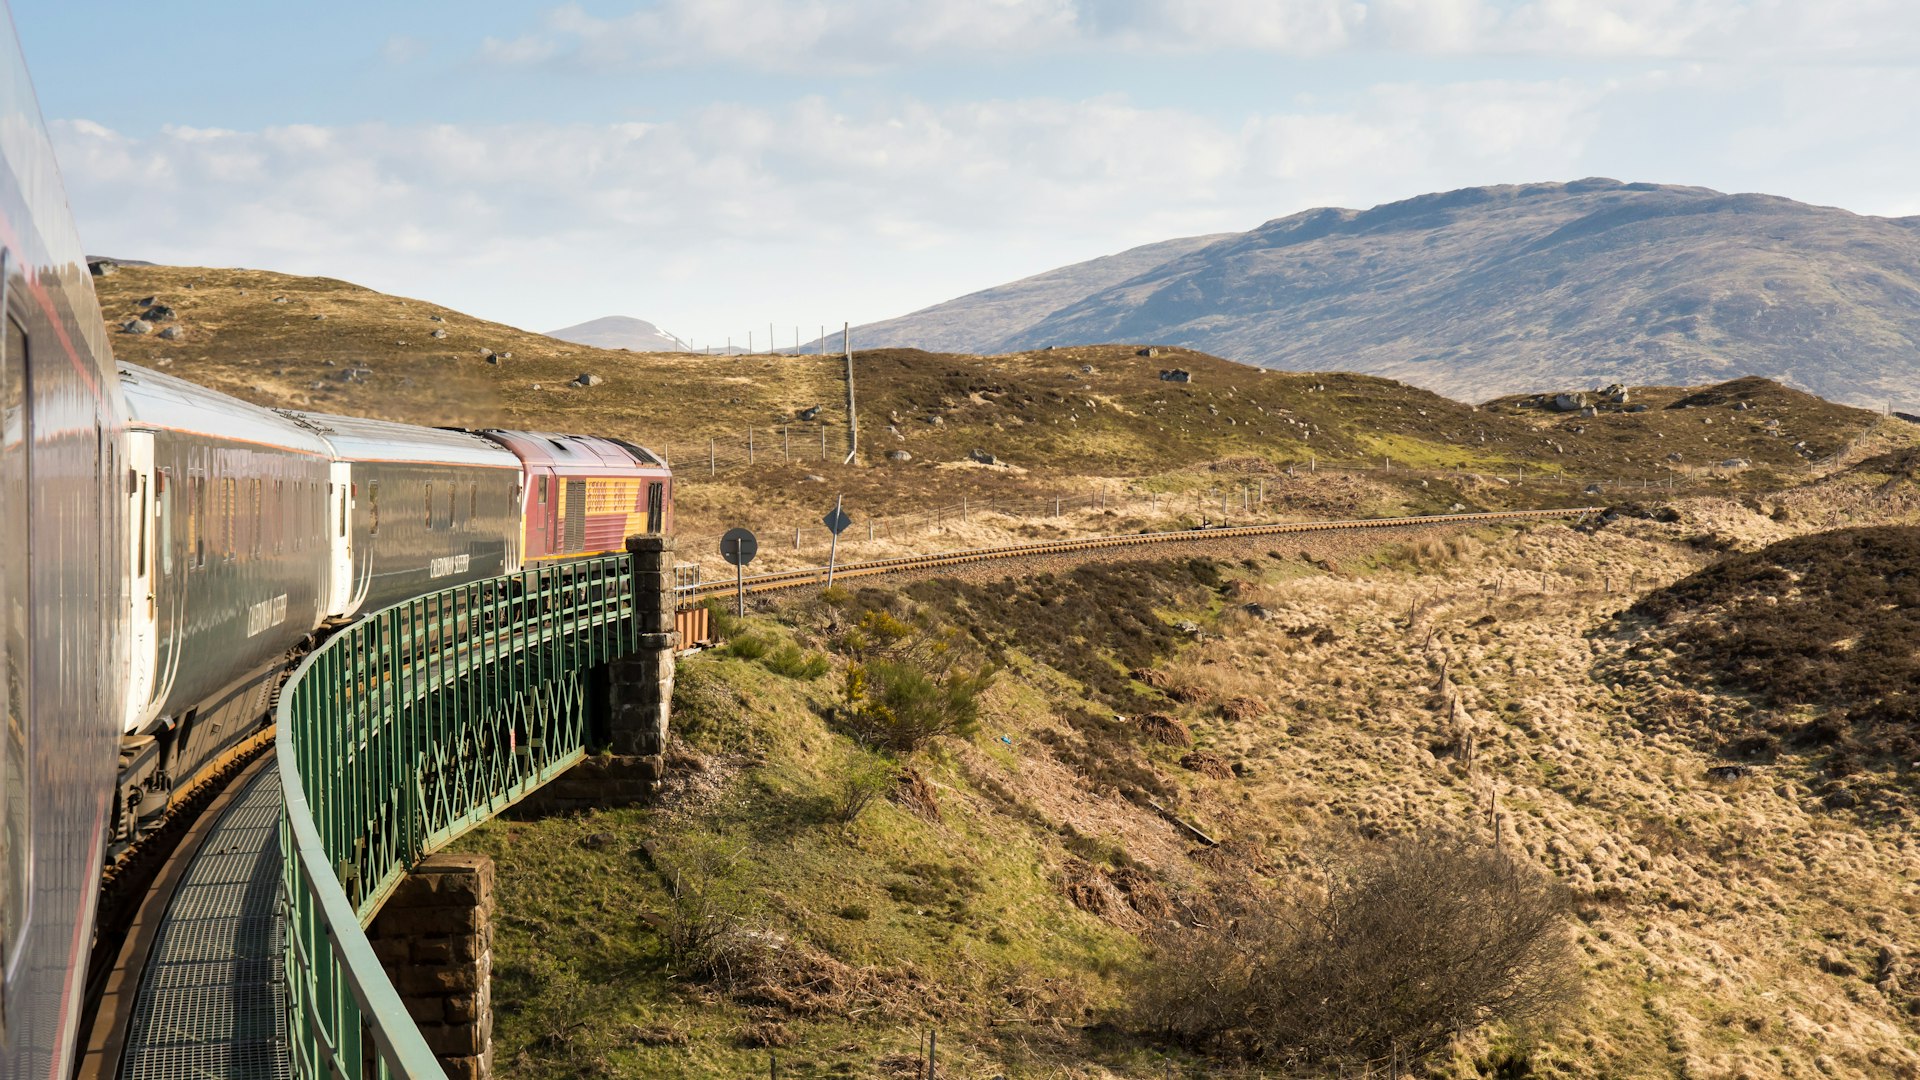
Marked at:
<point>1497,290</point>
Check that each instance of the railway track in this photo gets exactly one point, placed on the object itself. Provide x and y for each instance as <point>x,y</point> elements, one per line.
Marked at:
<point>792,579</point>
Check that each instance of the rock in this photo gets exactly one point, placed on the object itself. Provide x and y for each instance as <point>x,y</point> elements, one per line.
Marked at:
<point>438,334</point>
<point>1615,394</point>
<point>354,375</point>
<point>1258,611</point>
<point>1146,352</point>
<point>1590,411</point>
<point>492,359</point>
<point>1190,629</point>
<point>1742,406</point>
<point>279,299</point>
<point>158,313</point>
<point>165,361</point>
<point>1176,375</point>
<point>171,333</point>
<point>136,326</point>
<point>146,301</point>
<point>937,421</point>
<point>1637,408</point>
<point>816,478</point>
<point>102,267</point>
<point>436,318</point>
<point>586,379</point>
<point>317,318</point>
<point>1771,424</point>
<point>805,415</point>
<point>1735,463</point>
<point>1568,402</point>
<point>899,455</point>
<point>983,457</point>
<point>1593,489</point>
<point>1729,772</point>
<point>1086,369</point>
<point>506,356</point>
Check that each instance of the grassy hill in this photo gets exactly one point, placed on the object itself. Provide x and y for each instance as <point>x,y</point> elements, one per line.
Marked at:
<point>1061,423</point>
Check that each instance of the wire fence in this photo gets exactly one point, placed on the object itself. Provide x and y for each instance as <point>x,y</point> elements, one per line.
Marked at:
<point>782,444</point>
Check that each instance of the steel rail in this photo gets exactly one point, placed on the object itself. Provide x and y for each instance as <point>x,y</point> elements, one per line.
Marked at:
<point>691,595</point>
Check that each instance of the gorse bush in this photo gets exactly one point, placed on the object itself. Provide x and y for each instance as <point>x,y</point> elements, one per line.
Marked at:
<point>1401,944</point>
<point>898,706</point>
<point>748,647</point>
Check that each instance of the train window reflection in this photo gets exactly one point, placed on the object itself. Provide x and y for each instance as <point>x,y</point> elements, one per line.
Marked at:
<point>16,636</point>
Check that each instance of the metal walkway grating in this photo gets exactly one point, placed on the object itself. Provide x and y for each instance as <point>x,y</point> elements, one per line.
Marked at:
<point>212,1000</point>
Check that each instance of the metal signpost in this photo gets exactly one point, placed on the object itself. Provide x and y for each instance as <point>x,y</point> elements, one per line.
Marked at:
<point>836,522</point>
<point>739,547</point>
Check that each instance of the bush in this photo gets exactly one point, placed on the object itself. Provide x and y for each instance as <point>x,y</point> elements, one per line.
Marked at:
<point>898,706</point>
<point>721,621</point>
<point>855,789</point>
<point>794,663</point>
<point>1404,943</point>
<point>748,647</point>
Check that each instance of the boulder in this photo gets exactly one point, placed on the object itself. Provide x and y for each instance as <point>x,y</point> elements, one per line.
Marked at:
<point>1146,352</point>
<point>1637,408</point>
<point>899,455</point>
<point>1590,411</point>
<point>805,415</point>
<point>983,457</point>
<point>1176,375</point>
<point>438,334</point>
<point>586,379</point>
<point>157,313</point>
<point>1568,402</point>
<point>102,267</point>
<point>171,333</point>
<point>816,478</point>
<point>436,318</point>
<point>136,326</point>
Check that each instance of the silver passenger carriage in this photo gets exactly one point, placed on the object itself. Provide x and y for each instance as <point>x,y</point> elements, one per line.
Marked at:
<point>414,510</point>
<point>227,557</point>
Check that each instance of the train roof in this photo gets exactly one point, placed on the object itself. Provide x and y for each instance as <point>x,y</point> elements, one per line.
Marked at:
<point>159,402</point>
<point>355,438</point>
<point>576,453</point>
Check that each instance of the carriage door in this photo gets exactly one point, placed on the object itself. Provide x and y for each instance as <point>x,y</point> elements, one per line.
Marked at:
<point>576,532</point>
<point>656,508</point>
<point>340,538</point>
<point>541,504</point>
<point>143,518</point>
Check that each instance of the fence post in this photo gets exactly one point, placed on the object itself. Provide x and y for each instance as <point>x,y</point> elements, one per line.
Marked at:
<point>749,446</point>
<point>711,466</point>
<point>823,440</point>
<point>786,445</point>
<point>796,538</point>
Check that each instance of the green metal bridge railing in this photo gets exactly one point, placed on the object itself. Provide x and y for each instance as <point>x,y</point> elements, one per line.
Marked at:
<point>399,734</point>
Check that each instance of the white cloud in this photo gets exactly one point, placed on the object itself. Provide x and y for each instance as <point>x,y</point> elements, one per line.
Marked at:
<point>814,36</point>
<point>732,214</point>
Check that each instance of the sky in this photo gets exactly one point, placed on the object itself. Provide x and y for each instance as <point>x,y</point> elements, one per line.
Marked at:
<point>716,166</point>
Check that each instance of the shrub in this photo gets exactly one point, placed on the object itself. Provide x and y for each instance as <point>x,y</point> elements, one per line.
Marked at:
<point>898,706</point>
<point>794,663</point>
<point>748,647</point>
<point>1403,943</point>
<point>855,789</point>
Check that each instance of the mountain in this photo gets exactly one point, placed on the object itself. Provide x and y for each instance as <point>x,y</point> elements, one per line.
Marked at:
<point>1002,312</point>
<point>1488,291</point>
<point>621,332</point>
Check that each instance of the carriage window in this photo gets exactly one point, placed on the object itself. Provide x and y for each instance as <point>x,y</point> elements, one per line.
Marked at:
<point>230,492</point>
<point>373,507</point>
<point>656,507</point>
<point>16,637</point>
<point>140,543</point>
<point>196,543</point>
<point>163,509</point>
<point>543,491</point>
<point>343,509</point>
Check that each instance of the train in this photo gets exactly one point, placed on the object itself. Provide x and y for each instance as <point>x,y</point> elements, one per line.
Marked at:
<point>167,553</point>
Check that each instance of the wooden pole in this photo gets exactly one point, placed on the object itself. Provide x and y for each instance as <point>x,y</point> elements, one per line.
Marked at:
<point>711,466</point>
